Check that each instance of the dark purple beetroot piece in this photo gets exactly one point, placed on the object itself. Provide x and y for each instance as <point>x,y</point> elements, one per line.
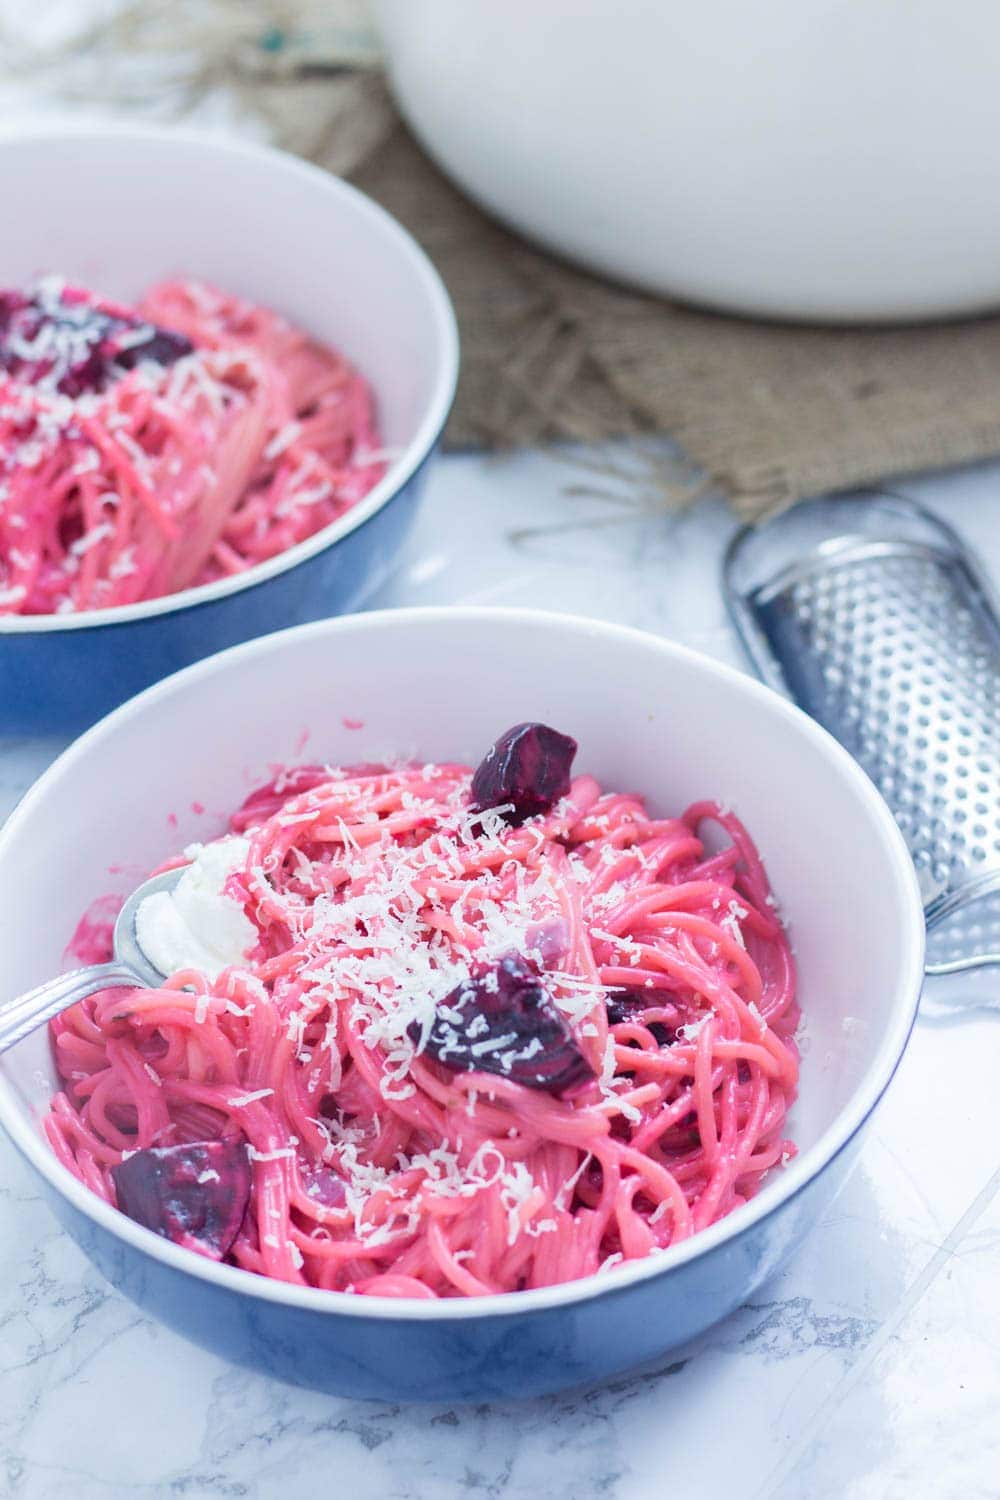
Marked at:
<point>64,339</point>
<point>161,346</point>
<point>502,1020</point>
<point>11,303</point>
<point>195,1195</point>
<point>528,766</point>
<point>632,1003</point>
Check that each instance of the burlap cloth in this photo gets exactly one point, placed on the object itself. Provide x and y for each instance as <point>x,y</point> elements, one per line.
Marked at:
<point>767,412</point>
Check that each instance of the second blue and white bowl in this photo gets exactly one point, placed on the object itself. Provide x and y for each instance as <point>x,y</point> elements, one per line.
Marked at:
<point>118,209</point>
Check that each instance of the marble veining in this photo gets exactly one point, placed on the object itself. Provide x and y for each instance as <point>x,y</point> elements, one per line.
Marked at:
<point>869,1370</point>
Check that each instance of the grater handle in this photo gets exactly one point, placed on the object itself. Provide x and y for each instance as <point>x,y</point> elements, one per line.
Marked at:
<point>950,905</point>
<point>963,965</point>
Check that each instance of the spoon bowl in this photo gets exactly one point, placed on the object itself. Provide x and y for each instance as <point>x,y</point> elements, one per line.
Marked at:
<point>126,943</point>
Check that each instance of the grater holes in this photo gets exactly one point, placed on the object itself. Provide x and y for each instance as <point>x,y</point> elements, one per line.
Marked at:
<point>903,671</point>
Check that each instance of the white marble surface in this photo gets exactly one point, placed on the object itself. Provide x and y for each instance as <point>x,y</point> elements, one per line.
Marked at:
<point>870,1370</point>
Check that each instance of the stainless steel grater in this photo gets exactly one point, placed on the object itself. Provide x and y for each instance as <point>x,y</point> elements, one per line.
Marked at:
<point>869,613</point>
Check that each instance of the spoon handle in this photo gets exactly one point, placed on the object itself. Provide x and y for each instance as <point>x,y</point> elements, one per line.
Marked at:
<point>35,1007</point>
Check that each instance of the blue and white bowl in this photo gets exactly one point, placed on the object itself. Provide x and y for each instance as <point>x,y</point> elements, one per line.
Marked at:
<point>441,683</point>
<point>118,209</point>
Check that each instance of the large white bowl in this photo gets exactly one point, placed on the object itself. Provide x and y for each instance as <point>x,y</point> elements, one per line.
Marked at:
<point>649,716</point>
<point>819,159</point>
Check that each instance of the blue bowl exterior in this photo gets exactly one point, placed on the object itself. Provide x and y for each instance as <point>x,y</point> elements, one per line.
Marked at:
<point>62,681</point>
<point>476,1358</point>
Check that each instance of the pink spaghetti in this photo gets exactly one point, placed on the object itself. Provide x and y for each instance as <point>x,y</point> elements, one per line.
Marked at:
<point>145,450</point>
<point>482,1044</point>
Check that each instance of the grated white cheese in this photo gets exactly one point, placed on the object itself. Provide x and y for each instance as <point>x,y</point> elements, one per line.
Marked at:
<point>689,1032</point>
<point>91,539</point>
<point>283,439</point>
<point>564,1196</point>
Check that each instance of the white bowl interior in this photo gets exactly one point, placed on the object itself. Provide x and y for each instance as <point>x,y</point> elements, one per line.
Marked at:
<point>119,210</point>
<point>648,715</point>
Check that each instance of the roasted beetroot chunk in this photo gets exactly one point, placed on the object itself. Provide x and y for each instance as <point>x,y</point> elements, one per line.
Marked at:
<point>528,767</point>
<point>502,1020</point>
<point>65,339</point>
<point>195,1195</point>
<point>634,1003</point>
<point>153,345</point>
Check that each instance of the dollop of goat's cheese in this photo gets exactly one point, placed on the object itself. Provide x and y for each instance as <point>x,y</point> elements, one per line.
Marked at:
<point>196,925</point>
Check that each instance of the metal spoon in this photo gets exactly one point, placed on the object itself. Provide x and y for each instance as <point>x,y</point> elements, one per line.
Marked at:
<point>130,967</point>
